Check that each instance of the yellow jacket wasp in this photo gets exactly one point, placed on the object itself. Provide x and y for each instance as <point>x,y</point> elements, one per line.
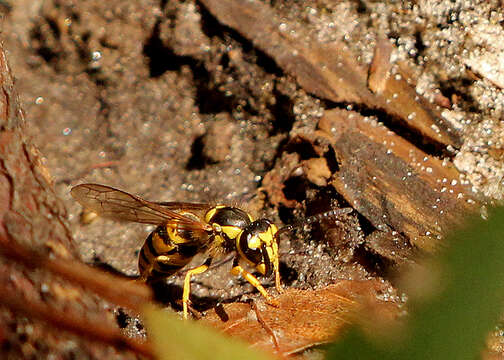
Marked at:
<point>186,229</point>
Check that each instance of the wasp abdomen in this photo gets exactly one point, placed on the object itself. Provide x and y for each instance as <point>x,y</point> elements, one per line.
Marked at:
<point>164,253</point>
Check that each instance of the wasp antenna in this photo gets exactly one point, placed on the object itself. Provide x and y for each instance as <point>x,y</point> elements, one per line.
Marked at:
<point>314,218</point>
<point>285,229</point>
<point>327,215</point>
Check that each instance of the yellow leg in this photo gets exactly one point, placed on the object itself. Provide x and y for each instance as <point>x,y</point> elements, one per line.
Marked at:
<point>238,270</point>
<point>278,284</point>
<point>187,284</point>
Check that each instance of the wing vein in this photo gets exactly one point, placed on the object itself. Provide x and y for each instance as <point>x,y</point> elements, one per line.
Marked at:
<point>119,205</point>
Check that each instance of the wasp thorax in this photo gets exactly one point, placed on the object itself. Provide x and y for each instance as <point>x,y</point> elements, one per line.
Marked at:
<point>228,216</point>
<point>227,221</point>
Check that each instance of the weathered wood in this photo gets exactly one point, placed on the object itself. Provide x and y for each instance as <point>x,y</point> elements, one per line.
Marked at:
<point>395,185</point>
<point>330,70</point>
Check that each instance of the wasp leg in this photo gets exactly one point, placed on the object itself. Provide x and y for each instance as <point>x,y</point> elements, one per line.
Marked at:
<point>147,271</point>
<point>237,270</point>
<point>187,283</point>
<point>278,284</point>
<point>145,274</point>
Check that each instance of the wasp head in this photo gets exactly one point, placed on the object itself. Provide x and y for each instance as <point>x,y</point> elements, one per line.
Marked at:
<point>257,244</point>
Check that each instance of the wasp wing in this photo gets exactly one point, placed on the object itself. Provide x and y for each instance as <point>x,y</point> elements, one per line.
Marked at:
<point>174,205</point>
<point>118,205</point>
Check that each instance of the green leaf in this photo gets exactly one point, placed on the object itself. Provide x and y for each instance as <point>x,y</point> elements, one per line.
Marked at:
<point>174,338</point>
<point>455,323</point>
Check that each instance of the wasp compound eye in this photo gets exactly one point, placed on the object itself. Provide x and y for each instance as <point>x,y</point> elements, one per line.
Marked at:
<point>267,260</point>
<point>246,246</point>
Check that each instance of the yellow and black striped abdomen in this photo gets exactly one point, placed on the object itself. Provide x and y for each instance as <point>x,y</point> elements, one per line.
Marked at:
<point>167,250</point>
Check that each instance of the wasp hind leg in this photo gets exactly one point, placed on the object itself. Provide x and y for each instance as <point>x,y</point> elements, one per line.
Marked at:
<point>187,283</point>
<point>237,270</point>
<point>157,269</point>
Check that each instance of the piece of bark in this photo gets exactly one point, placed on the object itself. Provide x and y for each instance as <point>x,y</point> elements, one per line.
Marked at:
<point>330,70</point>
<point>390,245</point>
<point>396,186</point>
<point>274,181</point>
<point>32,217</point>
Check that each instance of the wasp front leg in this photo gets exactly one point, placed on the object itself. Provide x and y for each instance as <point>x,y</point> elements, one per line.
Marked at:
<point>278,284</point>
<point>187,283</point>
<point>237,270</point>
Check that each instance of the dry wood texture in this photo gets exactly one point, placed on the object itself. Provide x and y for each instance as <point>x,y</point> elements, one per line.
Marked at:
<point>330,71</point>
<point>396,186</point>
<point>392,183</point>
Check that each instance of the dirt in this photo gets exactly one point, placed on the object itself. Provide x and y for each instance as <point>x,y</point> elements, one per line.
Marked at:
<point>137,97</point>
<point>161,100</point>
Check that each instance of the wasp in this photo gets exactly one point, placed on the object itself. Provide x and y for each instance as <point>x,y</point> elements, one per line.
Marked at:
<point>186,229</point>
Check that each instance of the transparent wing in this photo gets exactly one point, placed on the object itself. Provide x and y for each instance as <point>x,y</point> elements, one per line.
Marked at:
<point>119,205</point>
<point>176,205</point>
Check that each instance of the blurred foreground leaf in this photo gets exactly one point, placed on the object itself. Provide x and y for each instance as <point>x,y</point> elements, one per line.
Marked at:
<point>455,323</point>
<point>174,338</point>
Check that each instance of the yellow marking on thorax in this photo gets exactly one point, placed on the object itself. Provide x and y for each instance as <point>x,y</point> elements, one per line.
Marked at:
<point>210,213</point>
<point>216,242</point>
<point>231,231</point>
